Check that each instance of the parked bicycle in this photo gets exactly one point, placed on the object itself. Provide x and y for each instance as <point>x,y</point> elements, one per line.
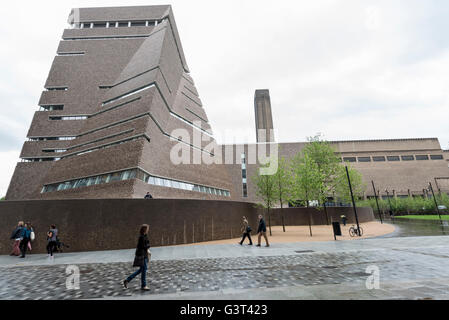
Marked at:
<point>353,231</point>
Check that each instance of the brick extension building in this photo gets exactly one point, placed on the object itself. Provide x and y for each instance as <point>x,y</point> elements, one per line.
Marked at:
<point>118,87</point>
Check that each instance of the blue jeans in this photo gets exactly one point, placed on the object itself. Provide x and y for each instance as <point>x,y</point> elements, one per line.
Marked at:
<point>143,269</point>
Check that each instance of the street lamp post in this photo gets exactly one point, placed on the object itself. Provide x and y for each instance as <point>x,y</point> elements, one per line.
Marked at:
<point>377,201</point>
<point>353,202</point>
<point>436,203</point>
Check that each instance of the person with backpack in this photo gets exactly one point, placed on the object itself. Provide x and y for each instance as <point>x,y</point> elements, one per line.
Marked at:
<point>246,230</point>
<point>26,238</point>
<point>262,231</point>
<point>51,240</point>
<point>17,236</point>
<point>142,258</point>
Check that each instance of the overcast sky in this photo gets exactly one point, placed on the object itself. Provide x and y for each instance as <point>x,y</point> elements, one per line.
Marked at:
<point>350,69</point>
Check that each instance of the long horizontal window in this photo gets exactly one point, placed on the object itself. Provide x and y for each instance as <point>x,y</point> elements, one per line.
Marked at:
<point>53,107</point>
<point>191,124</point>
<point>393,158</point>
<point>54,150</point>
<point>68,117</point>
<point>90,181</point>
<point>68,54</point>
<point>407,158</point>
<point>364,159</point>
<point>56,88</point>
<point>436,157</point>
<point>133,174</point>
<point>128,94</point>
<point>350,159</point>
<point>422,157</point>
<point>176,184</point>
<point>51,138</point>
<point>379,159</point>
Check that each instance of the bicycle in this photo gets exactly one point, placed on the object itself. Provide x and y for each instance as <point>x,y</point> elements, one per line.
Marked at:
<point>354,232</point>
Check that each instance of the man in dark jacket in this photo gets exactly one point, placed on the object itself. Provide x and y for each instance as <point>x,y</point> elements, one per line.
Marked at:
<point>26,237</point>
<point>17,236</point>
<point>148,196</point>
<point>262,231</point>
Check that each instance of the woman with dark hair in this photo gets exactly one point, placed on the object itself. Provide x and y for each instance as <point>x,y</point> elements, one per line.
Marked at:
<point>141,260</point>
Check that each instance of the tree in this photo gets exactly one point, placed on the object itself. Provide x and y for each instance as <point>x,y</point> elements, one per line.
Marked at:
<point>2,198</point>
<point>328,163</point>
<point>342,187</point>
<point>266,191</point>
<point>307,181</point>
<point>282,184</point>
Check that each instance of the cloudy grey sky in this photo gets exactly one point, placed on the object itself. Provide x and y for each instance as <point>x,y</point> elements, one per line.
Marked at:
<point>350,69</point>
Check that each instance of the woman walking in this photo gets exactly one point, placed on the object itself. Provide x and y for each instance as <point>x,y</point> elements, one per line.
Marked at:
<point>246,230</point>
<point>26,238</point>
<point>142,258</point>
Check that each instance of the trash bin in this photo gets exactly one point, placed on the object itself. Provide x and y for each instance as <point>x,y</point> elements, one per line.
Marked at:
<point>337,229</point>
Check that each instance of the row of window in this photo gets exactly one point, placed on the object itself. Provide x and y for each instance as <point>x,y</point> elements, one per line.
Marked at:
<point>68,117</point>
<point>163,182</point>
<point>393,158</point>
<point>85,182</point>
<point>191,124</point>
<point>132,174</point>
<point>51,138</point>
<point>116,24</point>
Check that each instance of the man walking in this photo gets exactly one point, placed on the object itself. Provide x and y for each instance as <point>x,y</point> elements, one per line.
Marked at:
<point>17,236</point>
<point>26,238</point>
<point>262,231</point>
<point>246,230</point>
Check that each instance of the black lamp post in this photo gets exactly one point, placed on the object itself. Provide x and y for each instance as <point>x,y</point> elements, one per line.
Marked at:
<point>353,202</point>
<point>377,202</point>
<point>435,199</point>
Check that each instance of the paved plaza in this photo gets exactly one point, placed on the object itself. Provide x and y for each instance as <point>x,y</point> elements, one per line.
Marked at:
<point>409,268</point>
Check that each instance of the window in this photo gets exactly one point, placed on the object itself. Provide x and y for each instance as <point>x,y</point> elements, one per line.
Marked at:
<point>364,159</point>
<point>138,24</point>
<point>407,158</point>
<point>436,157</point>
<point>379,159</point>
<point>100,25</point>
<point>245,190</point>
<point>57,88</point>
<point>393,158</point>
<point>123,24</point>
<point>350,159</point>
<point>68,117</point>
<point>422,157</point>
<point>58,107</point>
<point>244,173</point>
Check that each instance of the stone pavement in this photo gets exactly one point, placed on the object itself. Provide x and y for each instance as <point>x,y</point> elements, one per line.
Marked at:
<point>410,268</point>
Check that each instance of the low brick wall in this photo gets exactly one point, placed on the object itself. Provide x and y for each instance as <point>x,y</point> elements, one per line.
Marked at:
<point>300,216</point>
<point>100,224</point>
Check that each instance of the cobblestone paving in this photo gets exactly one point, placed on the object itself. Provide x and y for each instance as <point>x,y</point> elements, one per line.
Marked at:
<point>197,275</point>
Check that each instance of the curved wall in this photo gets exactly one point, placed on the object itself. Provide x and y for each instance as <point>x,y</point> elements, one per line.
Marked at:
<point>111,224</point>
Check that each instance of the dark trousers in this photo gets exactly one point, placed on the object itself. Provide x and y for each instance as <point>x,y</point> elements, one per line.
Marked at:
<point>143,273</point>
<point>23,246</point>
<point>50,247</point>
<point>246,234</point>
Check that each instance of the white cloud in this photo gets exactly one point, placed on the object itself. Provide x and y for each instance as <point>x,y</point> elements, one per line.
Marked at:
<point>347,68</point>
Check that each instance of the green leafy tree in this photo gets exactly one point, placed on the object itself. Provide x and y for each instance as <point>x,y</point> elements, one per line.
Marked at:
<point>266,191</point>
<point>2,198</point>
<point>307,181</point>
<point>328,163</point>
<point>282,180</point>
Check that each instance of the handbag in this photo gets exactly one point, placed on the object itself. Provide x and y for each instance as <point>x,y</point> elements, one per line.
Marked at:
<point>32,236</point>
<point>139,261</point>
<point>248,229</point>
